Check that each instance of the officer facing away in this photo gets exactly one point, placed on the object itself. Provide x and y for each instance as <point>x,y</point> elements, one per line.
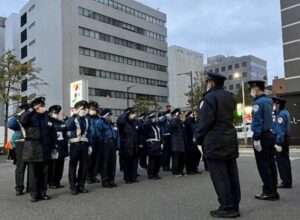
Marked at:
<point>214,130</point>
<point>282,129</point>
<point>264,140</point>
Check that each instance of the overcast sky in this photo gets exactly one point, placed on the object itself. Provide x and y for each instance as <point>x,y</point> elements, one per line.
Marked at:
<point>229,27</point>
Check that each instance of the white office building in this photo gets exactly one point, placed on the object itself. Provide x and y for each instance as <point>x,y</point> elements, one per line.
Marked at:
<point>112,44</point>
<point>182,60</point>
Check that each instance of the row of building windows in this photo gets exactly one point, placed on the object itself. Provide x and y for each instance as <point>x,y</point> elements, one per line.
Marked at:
<point>231,87</point>
<point>229,67</point>
<point>121,77</point>
<point>102,18</point>
<point>121,59</point>
<point>131,11</point>
<point>119,41</point>
<point>125,95</point>
<point>23,19</point>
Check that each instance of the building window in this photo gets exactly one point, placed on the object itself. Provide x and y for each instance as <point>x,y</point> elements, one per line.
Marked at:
<point>229,67</point>
<point>31,43</point>
<point>230,87</point>
<point>217,70</point>
<point>223,69</point>
<point>23,19</point>
<point>237,65</point>
<point>23,35</point>
<point>31,25</point>
<point>24,85</point>
<point>244,64</point>
<point>237,86</point>
<point>245,74</point>
<point>24,52</point>
<point>31,8</point>
<point>230,77</point>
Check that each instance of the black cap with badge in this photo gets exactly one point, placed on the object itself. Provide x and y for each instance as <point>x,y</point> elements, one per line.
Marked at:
<point>38,101</point>
<point>258,82</point>
<point>55,108</point>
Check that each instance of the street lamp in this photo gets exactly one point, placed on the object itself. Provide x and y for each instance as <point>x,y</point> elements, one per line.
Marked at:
<point>237,75</point>
<point>192,89</point>
<point>127,89</point>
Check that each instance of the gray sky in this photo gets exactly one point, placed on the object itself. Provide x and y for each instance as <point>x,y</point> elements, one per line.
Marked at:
<point>229,27</point>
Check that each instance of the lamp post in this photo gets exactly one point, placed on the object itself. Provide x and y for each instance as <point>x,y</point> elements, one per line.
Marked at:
<point>238,75</point>
<point>192,89</point>
<point>127,89</point>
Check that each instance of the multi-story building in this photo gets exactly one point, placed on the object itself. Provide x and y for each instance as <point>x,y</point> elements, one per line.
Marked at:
<point>2,51</point>
<point>289,88</point>
<point>113,44</point>
<point>247,67</point>
<point>182,60</point>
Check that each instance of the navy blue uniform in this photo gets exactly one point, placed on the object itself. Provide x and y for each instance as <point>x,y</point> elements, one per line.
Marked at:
<point>262,123</point>
<point>142,144</point>
<point>282,131</point>
<point>164,126</point>
<point>214,130</point>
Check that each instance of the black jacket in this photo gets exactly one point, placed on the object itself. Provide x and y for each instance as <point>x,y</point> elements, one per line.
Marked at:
<point>189,129</point>
<point>141,132</point>
<point>61,141</point>
<point>177,135</point>
<point>40,136</point>
<point>128,136</point>
<point>152,137</point>
<point>214,128</point>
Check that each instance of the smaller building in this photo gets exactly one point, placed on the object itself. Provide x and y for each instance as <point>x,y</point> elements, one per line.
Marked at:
<point>2,51</point>
<point>237,69</point>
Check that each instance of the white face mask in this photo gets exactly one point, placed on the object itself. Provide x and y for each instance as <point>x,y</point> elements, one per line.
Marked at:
<point>92,112</point>
<point>132,116</point>
<point>153,120</point>
<point>55,116</point>
<point>82,113</point>
<point>253,92</point>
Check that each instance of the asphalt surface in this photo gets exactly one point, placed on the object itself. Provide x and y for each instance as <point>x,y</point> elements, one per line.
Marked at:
<point>189,197</point>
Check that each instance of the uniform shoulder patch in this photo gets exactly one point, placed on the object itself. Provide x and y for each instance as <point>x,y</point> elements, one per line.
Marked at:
<point>255,108</point>
<point>201,104</point>
<point>280,120</point>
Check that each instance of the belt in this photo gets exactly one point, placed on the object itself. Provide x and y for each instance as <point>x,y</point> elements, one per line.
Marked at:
<point>152,140</point>
<point>167,134</point>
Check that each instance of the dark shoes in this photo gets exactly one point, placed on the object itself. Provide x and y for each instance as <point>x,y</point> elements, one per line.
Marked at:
<point>225,214</point>
<point>270,197</point>
<point>166,169</point>
<point>40,197</point>
<point>19,193</point>
<point>73,192</point>
<point>58,186</point>
<point>154,177</point>
<point>82,190</point>
<point>93,180</point>
<point>34,199</point>
<point>284,186</point>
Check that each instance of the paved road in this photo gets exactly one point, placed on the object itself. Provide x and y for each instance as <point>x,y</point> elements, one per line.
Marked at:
<point>189,197</point>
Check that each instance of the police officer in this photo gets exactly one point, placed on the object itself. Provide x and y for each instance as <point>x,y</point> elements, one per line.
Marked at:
<point>153,145</point>
<point>56,165</point>
<point>95,143</point>
<point>109,137</point>
<point>39,141</point>
<point>216,133</point>
<point>164,125</point>
<point>264,140</point>
<point>80,151</point>
<point>282,129</point>
<point>142,143</point>
<point>127,127</point>
<point>15,125</point>
<point>177,143</point>
<point>193,154</point>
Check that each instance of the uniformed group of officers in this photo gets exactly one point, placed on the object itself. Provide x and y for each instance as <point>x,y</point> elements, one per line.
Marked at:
<point>91,140</point>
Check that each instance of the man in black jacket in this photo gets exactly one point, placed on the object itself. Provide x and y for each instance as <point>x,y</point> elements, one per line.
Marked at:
<point>193,155</point>
<point>177,143</point>
<point>141,140</point>
<point>215,132</point>
<point>39,140</point>
<point>128,128</point>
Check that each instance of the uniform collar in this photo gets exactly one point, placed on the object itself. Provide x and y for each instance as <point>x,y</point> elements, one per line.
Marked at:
<point>262,95</point>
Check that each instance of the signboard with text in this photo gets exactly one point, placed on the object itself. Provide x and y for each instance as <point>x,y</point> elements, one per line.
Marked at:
<point>78,92</point>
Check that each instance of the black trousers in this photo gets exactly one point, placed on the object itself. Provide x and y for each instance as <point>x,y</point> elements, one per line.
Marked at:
<point>78,155</point>
<point>38,178</point>
<point>265,160</point>
<point>193,156</point>
<point>143,157</point>
<point>20,167</point>
<point>56,169</point>
<point>177,163</point>
<point>94,161</point>
<point>166,153</point>
<point>153,166</point>
<point>225,177</point>
<point>108,163</point>
<point>284,164</point>
<point>130,168</point>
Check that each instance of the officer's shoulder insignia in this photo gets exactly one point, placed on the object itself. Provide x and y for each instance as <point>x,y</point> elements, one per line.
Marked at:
<point>201,104</point>
<point>280,120</point>
<point>255,108</point>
